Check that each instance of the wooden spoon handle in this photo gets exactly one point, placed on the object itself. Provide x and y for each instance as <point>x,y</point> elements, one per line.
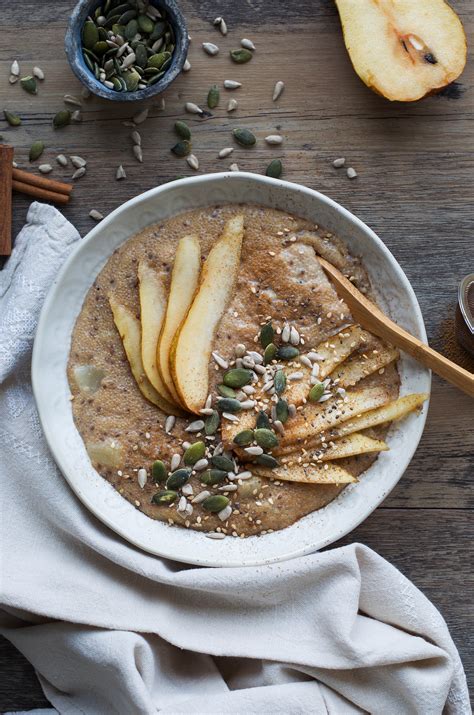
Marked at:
<point>372,318</point>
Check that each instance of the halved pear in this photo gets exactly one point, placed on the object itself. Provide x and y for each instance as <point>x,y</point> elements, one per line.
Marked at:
<point>129,330</point>
<point>403,49</point>
<point>184,282</point>
<point>152,313</point>
<point>191,349</point>
<point>359,366</point>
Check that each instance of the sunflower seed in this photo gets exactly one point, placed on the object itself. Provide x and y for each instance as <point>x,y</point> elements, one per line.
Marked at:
<point>137,153</point>
<point>222,155</point>
<point>274,139</point>
<point>61,159</point>
<point>169,423</point>
<point>224,513</point>
<point>279,426</point>
<point>208,401</point>
<point>201,497</point>
<point>193,108</point>
<point>128,61</point>
<point>79,172</point>
<point>248,44</point>
<point>286,333</point>
<point>232,84</point>
<point>315,370</point>
<point>182,504</point>
<point>221,24</point>
<point>142,477</point>
<point>244,475</point>
<point>277,90</point>
<point>229,416</point>
<point>304,360</point>
<point>294,336</point>
<point>254,451</point>
<point>298,375</point>
<point>232,104</point>
<point>76,116</point>
<point>239,348</point>
<point>15,68</point>
<point>122,50</point>
<point>96,215</point>
<point>141,116</point>
<point>186,66</point>
<point>210,48</point>
<point>38,73</point>
<point>220,361</point>
<point>78,161</point>
<point>70,99</point>
<point>85,93</point>
<point>207,411</point>
<point>175,462</point>
<point>351,173</point>
<point>338,163</point>
<point>195,426</point>
<point>315,356</point>
<point>217,535</point>
<point>45,168</point>
<point>201,464</point>
<point>234,167</point>
<point>120,173</point>
<point>187,489</point>
<point>228,488</point>
<point>248,404</point>
<point>13,78</point>
<point>193,161</point>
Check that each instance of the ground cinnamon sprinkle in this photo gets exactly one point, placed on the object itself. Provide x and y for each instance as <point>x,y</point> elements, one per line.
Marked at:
<point>445,342</point>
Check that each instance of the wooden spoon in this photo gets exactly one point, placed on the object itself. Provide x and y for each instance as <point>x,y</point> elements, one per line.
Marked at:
<point>372,318</point>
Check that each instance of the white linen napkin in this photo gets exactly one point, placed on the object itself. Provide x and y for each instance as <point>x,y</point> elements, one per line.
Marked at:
<point>111,629</point>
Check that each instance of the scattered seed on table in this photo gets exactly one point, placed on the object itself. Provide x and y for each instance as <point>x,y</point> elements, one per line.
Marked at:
<point>247,44</point>
<point>232,105</point>
<point>244,137</point>
<point>213,97</point>
<point>140,117</point>
<point>274,139</point>
<point>182,148</point>
<point>225,152</point>
<point>210,48</point>
<point>38,73</point>
<point>79,173</point>
<point>36,150</point>
<point>274,169</point>
<point>193,108</point>
<point>234,167</point>
<point>62,119</point>
<point>120,173</point>
<point>351,173</point>
<point>278,89</point>
<point>70,99</point>
<point>78,161</point>
<point>169,423</point>
<point>160,104</point>
<point>136,137</point>
<point>29,84</point>
<point>221,25</point>
<point>96,215</point>
<point>85,93</point>
<point>338,163</point>
<point>12,118</point>
<point>45,168</point>
<point>193,162</point>
<point>13,78</point>
<point>232,84</point>
<point>61,159</point>
<point>15,68</point>
<point>137,153</point>
<point>241,56</point>
<point>76,116</point>
<point>186,66</point>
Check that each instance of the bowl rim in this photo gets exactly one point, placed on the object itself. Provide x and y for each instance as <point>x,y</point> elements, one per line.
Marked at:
<point>72,45</point>
<point>222,560</point>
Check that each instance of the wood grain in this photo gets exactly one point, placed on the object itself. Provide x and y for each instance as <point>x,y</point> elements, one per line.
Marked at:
<point>415,167</point>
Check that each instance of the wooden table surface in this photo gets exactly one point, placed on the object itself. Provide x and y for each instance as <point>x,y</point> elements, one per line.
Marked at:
<point>415,189</point>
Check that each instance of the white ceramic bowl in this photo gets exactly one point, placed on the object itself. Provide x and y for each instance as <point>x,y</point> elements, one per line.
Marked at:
<point>51,388</point>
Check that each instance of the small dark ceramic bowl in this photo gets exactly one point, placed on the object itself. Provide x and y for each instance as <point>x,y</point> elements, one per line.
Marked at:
<point>73,44</point>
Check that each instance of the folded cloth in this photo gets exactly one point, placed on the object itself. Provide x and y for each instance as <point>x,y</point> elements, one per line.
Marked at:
<point>111,629</point>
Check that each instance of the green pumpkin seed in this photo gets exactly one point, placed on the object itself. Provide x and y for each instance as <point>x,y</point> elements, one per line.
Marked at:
<point>213,97</point>
<point>62,119</point>
<point>182,130</point>
<point>119,10</point>
<point>151,72</point>
<point>244,438</point>
<point>270,353</point>
<point>158,31</point>
<point>226,391</point>
<point>158,60</point>
<point>36,150</point>
<point>167,62</point>
<point>178,478</point>
<point>155,79</point>
<point>266,335</point>
<point>265,438</point>
<point>266,460</point>
<point>118,29</point>
<point>146,24</point>
<point>131,29</point>
<point>90,34</point>
<point>220,461</point>
<point>279,382</point>
<point>282,410</point>
<point>211,425</point>
<point>287,352</point>
<point>244,137</point>
<point>100,48</point>
<point>159,471</point>
<point>213,476</point>
<point>164,497</point>
<point>12,119</point>
<point>241,56</point>
<point>316,392</point>
<point>237,377</point>
<point>141,55</point>
<point>29,84</point>
<point>274,169</point>
<point>228,404</point>
<point>125,18</point>
<point>89,62</point>
<point>182,148</point>
<point>215,503</point>
<point>132,78</point>
<point>118,84</point>
<point>193,453</point>
<point>262,421</point>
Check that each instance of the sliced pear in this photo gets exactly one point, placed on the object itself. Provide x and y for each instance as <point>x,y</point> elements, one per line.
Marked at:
<point>152,313</point>
<point>129,330</point>
<point>313,474</point>
<point>349,446</point>
<point>191,349</point>
<point>403,49</point>
<point>356,368</point>
<point>336,349</point>
<point>184,282</point>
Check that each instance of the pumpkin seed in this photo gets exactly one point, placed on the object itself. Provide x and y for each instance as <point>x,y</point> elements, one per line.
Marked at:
<point>182,130</point>
<point>178,478</point>
<point>274,169</point>
<point>213,97</point>
<point>262,421</point>
<point>215,503</point>
<point>194,453</point>
<point>228,404</point>
<point>132,79</point>
<point>282,410</point>
<point>244,438</point>
<point>266,335</point>
<point>237,377</point>
<point>241,56</point>
<point>287,352</point>
<point>141,55</point>
<point>213,476</point>
<point>90,34</point>
<point>220,461</point>
<point>266,460</point>
<point>36,150</point>
<point>279,381</point>
<point>62,119</point>
<point>182,148</point>
<point>158,60</point>
<point>211,424</point>
<point>226,391</point>
<point>265,438</point>
<point>158,471</point>
<point>244,137</point>
<point>164,497</point>
<point>29,84</point>
<point>316,392</point>
<point>270,353</point>
<point>146,24</point>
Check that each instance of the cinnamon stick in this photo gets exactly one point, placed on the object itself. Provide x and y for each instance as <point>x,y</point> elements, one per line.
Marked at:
<point>39,193</point>
<point>42,182</point>
<point>6,158</point>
